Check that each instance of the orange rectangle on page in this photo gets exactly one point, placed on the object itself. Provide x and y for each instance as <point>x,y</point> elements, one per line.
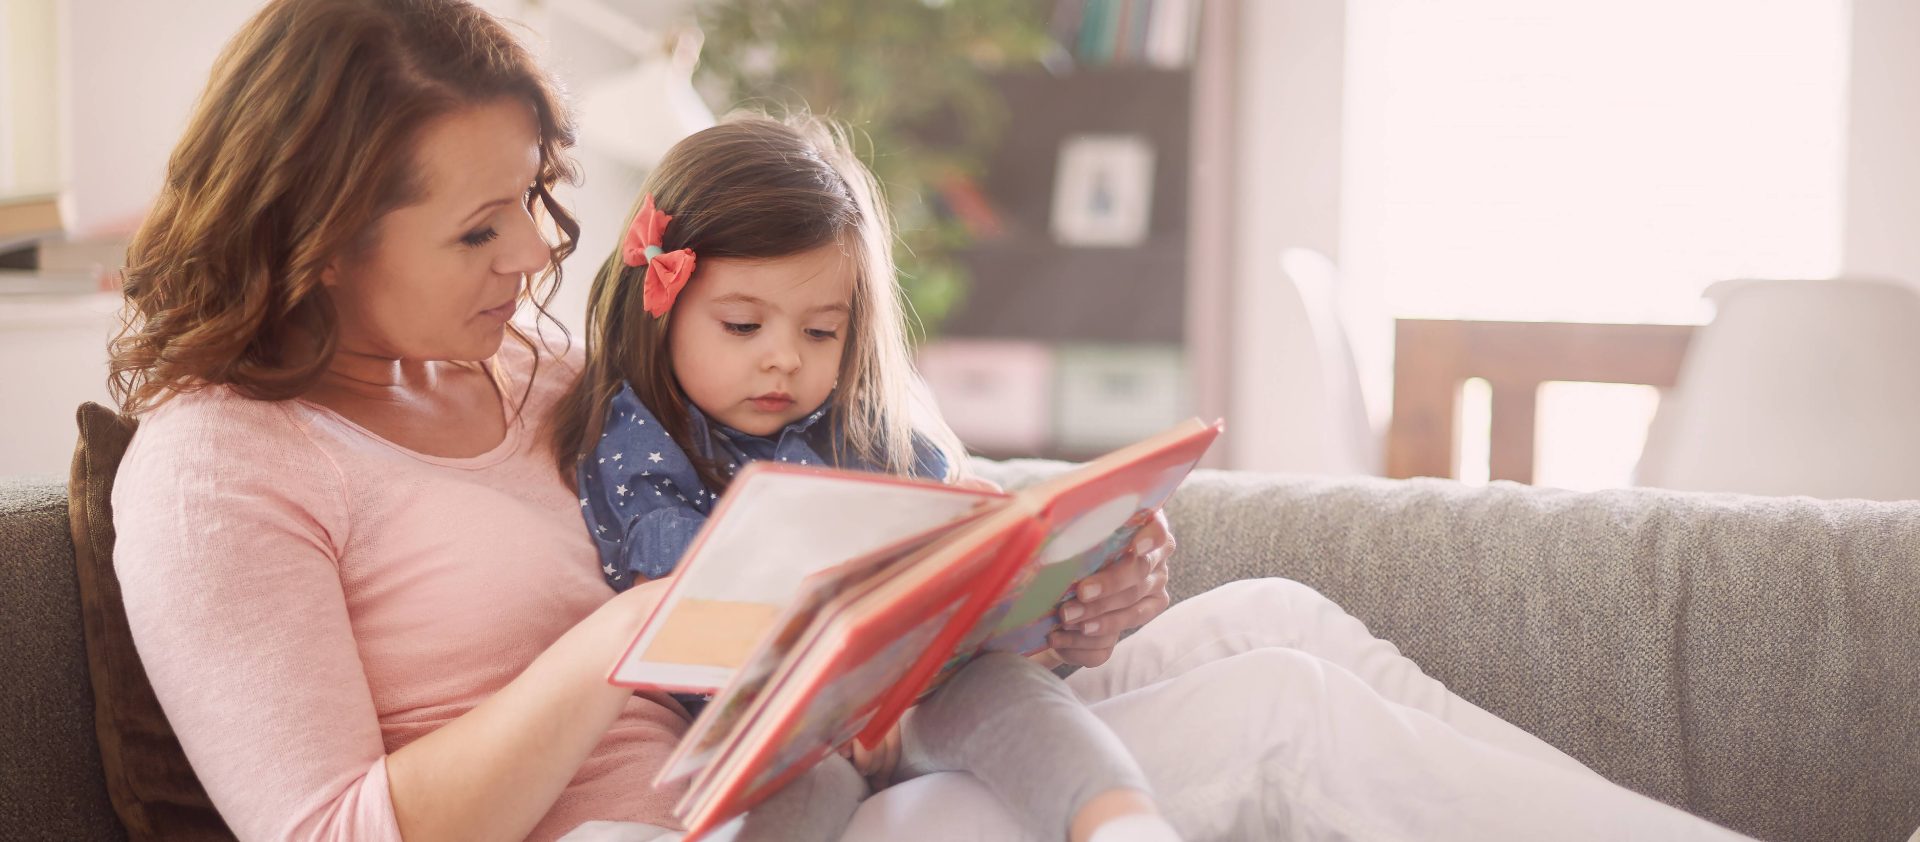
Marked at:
<point>711,632</point>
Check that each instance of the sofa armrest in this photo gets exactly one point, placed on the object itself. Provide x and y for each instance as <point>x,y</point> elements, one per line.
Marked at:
<point>54,785</point>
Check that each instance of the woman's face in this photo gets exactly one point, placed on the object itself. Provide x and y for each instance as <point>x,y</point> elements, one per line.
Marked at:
<point>439,278</point>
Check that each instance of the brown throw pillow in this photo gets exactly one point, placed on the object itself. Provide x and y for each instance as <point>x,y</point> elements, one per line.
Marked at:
<point>152,787</point>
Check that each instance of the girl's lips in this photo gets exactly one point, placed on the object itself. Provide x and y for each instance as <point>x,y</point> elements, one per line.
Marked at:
<point>771,404</point>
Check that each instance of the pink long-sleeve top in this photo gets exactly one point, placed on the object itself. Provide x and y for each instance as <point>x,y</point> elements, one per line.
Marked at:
<point>308,597</point>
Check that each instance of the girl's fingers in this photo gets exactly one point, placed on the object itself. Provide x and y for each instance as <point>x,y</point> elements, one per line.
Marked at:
<point>1120,584</point>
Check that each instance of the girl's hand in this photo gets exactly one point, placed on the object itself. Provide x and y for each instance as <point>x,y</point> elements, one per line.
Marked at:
<point>1047,659</point>
<point>877,765</point>
<point>1124,596</point>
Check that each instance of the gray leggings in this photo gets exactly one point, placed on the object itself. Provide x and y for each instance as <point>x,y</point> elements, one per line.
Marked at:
<point>1003,718</point>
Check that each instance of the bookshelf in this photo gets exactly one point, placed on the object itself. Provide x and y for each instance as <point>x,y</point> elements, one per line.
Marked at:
<point>1109,293</point>
<point>1067,345</point>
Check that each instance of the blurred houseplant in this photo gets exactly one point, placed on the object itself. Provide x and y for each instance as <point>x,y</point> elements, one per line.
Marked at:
<point>911,79</point>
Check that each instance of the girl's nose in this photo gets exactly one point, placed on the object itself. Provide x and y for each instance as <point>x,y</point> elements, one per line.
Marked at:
<point>781,356</point>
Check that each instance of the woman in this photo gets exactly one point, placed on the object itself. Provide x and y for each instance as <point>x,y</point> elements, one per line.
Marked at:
<point>340,524</point>
<point>367,602</point>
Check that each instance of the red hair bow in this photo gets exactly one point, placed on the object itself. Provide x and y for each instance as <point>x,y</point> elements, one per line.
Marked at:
<point>667,272</point>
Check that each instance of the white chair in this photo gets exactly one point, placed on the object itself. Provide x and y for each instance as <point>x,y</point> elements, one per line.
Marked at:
<point>1337,383</point>
<point>1796,387</point>
<point>636,115</point>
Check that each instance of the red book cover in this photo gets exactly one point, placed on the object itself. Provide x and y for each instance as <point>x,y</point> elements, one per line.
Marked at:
<point>1086,520</point>
<point>843,674</point>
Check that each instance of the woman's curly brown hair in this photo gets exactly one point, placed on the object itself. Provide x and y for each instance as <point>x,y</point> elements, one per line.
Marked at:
<point>302,140</point>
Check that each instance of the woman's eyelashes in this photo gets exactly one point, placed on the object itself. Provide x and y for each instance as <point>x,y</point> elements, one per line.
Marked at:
<point>482,236</point>
<point>476,239</point>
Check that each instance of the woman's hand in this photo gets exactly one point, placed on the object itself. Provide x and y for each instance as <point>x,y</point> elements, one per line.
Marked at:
<point>493,771</point>
<point>1124,596</point>
<point>978,484</point>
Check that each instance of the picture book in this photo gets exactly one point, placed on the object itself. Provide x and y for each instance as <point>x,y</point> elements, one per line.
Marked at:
<point>818,605</point>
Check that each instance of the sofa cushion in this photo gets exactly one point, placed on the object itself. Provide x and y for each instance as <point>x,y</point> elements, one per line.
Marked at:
<point>153,788</point>
<point>1755,660</point>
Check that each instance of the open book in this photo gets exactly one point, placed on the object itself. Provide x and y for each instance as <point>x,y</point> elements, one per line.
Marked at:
<point>819,605</point>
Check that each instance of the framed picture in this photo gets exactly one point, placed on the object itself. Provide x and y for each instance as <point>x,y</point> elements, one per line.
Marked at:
<point>1103,191</point>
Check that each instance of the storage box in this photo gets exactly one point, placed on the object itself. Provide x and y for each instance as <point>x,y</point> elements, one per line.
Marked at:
<point>1112,395</point>
<point>996,394</point>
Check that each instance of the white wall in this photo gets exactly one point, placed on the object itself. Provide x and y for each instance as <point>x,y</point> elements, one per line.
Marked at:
<point>125,76</point>
<point>29,156</point>
<point>132,73</point>
<point>53,356</point>
<point>1883,142</point>
<point>1287,150</point>
<point>1503,162</point>
<point>1289,163</point>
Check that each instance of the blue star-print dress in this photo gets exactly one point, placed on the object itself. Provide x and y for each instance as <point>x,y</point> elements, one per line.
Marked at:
<point>644,503</point>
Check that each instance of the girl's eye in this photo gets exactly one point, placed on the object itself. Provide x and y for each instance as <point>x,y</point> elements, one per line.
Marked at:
<point>480,238</point>
<point>824,335</point>
<point>738,329</point>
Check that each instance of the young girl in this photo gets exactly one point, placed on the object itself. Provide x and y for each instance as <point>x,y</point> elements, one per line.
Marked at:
<point>751,312</point>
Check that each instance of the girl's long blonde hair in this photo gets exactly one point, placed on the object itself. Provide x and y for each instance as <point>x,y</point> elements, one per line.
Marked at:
<point>303,139</point>
<point>757,187</point>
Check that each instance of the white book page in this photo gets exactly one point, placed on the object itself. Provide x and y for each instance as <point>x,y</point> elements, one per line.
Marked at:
<point>780,527</point>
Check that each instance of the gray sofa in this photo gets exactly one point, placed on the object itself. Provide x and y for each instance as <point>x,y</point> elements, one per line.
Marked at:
<point>1753,660</point>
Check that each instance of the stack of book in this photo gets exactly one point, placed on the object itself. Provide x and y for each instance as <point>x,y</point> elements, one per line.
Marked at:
<point>1157,33</point>
<point>37,258</point>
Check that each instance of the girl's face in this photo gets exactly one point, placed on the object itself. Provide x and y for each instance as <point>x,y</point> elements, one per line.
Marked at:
<point>440,278</point>
<point>756,344</point>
